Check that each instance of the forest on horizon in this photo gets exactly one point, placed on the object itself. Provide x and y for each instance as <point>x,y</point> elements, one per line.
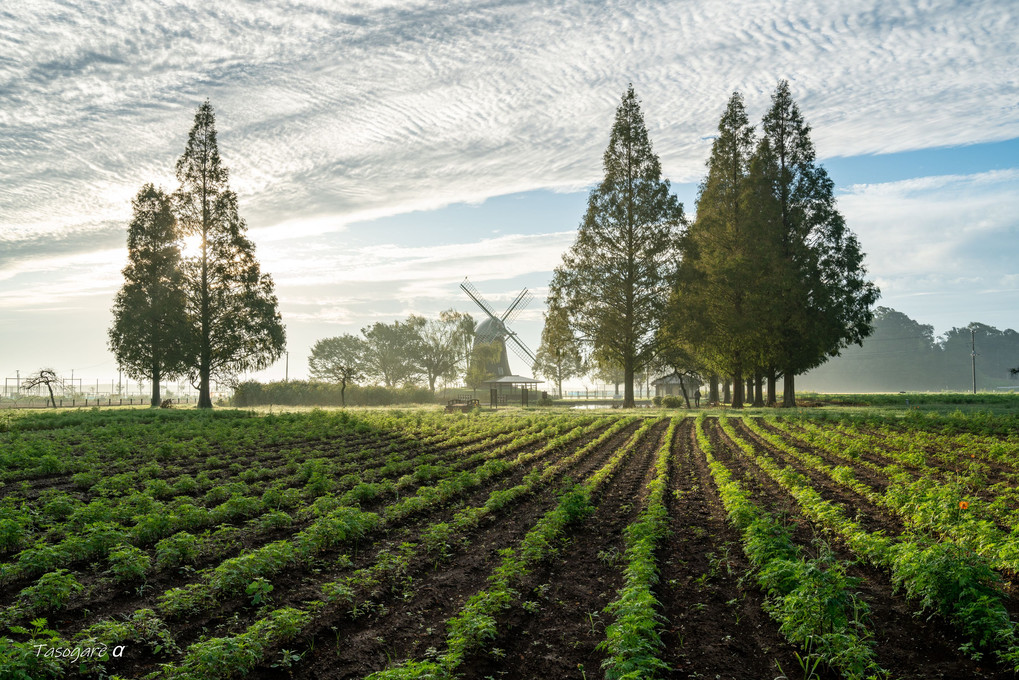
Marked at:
<point>903,354</point>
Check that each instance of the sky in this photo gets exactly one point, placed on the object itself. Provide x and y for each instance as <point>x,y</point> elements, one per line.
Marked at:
<point>384,150</point>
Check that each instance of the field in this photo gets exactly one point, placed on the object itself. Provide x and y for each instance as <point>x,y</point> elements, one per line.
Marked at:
<point>523,544</point>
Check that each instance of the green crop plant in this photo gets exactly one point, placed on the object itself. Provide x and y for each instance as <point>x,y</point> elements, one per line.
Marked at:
<point>971,598</point>
<point>633,641</point>
<point>259,590</point>
<point>178,549</point>
<point>128,563</point>
<point>52,591</point>
<point>20,660</point>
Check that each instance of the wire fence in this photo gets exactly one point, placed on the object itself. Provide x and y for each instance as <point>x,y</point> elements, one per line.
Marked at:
<point>84,402</point>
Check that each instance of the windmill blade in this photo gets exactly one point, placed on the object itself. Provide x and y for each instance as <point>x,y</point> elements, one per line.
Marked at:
<point>473,294</point>
<point>518,305</point>
<point>521,350</point>
<point>514,304</point>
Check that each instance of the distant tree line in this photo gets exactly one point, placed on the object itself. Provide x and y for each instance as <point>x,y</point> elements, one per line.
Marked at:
<point>318,393</point>
<point>765,283</point>
<point>905,355</point>
<point>416,351</point>
<point>210,313</point>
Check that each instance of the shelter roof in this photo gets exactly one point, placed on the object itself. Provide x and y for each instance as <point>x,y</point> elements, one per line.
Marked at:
<point>512,380</point>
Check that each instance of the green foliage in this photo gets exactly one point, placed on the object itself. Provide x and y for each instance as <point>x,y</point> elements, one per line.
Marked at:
<point>178,549</point>
<point>148,312</point>
<point>20,660</point>
<point>633,641</point>
<point>559,356</point>
<point>614,280</point>
<point>52,591</point>
<point>259,590</point>
<point>230,305</point>
<point>128,563</point>
<point>303,393</point>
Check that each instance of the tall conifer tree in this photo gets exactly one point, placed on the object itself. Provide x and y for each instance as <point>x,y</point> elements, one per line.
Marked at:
<point>613,282</point>
<point>232,307</point>
<point>720,296</point>
<point>825,302</point>
<point>148,313</point>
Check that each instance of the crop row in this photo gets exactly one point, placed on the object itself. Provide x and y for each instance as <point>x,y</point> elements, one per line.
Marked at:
<point>939,576</point>
<point>476,622</point>
<point>213,658</point>
<point>926,504</point>
<point>633,641</point>
<point>338,524</point>
<point>812,598</point>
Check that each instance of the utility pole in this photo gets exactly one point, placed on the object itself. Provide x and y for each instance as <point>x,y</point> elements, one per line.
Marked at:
<point>286,369</point>
<point>973,355</point>
<point>17,387</point>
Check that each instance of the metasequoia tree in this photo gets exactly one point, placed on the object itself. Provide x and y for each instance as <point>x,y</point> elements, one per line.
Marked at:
<point>559,357</point>
<point>235,324</point>
<point>338,359</point>
<point>613,282</point>
<point>149,325</point>
<point>719,301</point>
<point>825,302</point>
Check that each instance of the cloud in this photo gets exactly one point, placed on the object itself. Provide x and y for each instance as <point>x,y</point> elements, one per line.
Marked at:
<point>937,245</point>
<point>329,111</point>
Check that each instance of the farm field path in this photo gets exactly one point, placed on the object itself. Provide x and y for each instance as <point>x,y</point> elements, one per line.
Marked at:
<point>715,625</point>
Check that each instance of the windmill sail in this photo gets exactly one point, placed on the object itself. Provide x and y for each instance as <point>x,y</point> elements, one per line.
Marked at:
<point>496,329</point>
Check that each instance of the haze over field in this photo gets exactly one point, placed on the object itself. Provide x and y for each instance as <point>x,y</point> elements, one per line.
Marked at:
<point>383,151</point>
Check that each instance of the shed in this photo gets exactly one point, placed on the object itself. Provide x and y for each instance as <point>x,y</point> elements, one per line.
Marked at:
<point>670,386</point>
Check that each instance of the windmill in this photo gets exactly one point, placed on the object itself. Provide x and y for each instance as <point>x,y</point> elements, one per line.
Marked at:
<point>496,329</point>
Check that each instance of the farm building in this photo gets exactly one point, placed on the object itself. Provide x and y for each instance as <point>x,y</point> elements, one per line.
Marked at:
<point>671,385</point>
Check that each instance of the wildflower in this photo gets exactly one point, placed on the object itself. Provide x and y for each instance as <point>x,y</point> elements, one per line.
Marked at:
<point>963,505</point>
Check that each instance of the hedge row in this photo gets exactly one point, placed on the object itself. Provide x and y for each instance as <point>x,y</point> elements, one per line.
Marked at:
<point>307,393</point>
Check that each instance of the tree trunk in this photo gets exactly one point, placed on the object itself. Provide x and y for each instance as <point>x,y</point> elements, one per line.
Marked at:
<point>204,392</point>
<point>771,387</point>
<point>628,400</point>
<point>788,390</point>
<point>758,389</point>
<point>737,389</point>
<point>205,355</point>
<point>686,396</point>
<point>156,401</point>
<point>52,400</point>
<point>713,389</point>
<point>343,392</point>
<point>725,391</point>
